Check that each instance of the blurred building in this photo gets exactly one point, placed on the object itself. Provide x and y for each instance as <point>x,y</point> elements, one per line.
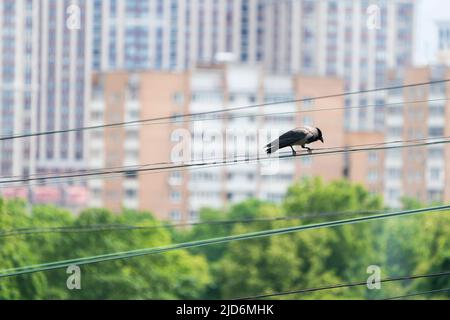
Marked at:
<point>443,28</point>
<point>422,173</point>
<point>357,40</point>
<point>44,66</point>
<point>179,195</point>
<point>367,167</point>
<point>122,96</point>
<point>49,48</point>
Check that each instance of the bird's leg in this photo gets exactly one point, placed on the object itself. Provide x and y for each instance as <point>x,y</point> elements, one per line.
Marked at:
<point>293,151</point>
<point>309,149</point>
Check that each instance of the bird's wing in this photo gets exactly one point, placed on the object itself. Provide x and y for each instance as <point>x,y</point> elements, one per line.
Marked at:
<point>311,134</point>
<point>290,137</point>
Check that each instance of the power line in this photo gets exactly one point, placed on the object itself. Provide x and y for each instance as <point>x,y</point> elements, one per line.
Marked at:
<point>120,227</point>
<point>133,168</point>
<point>238,116</point>
<point>111,176</point>
<point>258,158</point>
<point>222,110</point>
<point>418,294</point>
<point>246,236</point>
<point>345,285</point>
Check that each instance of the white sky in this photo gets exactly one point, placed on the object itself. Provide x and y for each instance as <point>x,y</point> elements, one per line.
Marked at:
<point>428,12</point>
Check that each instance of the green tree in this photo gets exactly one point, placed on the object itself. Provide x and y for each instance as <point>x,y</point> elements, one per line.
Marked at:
<point>16,253</point>
<point>173,275</point>
<point>311,258</point>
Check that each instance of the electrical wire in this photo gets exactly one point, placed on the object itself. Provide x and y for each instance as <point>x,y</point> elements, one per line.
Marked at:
<point>225,162</point>
<point>120,227</point>
<point>285,113</point>
<point>158,171</point>
<point>132,168</point>
<point>418,294</point>
<point>198,243</point>
<point>345,285</point>
<point>222,110</point>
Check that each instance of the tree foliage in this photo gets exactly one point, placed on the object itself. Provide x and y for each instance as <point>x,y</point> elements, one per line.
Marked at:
<point>311,258</point>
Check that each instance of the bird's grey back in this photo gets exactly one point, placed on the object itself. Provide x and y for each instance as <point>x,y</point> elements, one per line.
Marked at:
<point>296,136</point>
<point>309,133</point>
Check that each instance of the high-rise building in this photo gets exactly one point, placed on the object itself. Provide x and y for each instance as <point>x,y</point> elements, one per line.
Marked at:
<point>443,28</point>
<point>443,35</point>
<point>44,64</point>
<point>50,47</point>
<point>358,40</point>
<point>366,168</point>
<point>418,172</point>
<point>241,134</point>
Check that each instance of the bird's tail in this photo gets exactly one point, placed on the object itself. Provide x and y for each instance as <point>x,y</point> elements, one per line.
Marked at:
<point>272,147</point>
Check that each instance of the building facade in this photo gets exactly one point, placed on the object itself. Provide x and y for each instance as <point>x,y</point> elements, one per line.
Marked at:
<point>366,168</point>
<point>49,49</point>
<point>443,29</point>
<point>44,65</point>
<point>419,172</point>
<point>242,134</point>
<point>358,40</point>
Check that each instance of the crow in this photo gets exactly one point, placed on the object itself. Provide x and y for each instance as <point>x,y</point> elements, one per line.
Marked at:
<point>298,136</point>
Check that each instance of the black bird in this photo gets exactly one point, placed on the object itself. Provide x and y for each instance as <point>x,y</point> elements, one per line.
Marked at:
<point>298,136</point>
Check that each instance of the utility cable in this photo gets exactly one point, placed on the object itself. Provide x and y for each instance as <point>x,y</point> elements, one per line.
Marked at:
<point>246,236</point>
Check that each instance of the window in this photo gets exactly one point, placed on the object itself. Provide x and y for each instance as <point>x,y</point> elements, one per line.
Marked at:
<point>275,197</point>
<point>96,192</point>
<point>435,173</point>
<point>372,176</point>
<point>435,153</point>
<point>395,131</point>
<point>307,121</point>
<point>436,132</point>
<point>373,157</point>
<point>97,115</point>
<point>437,111</point>
<point>132,155</point>
<point>178,98</point>
<point>177,118</point>
<point>395,110</point>
<point>130,193</point>
<point>306,161</point>
<point>175,177</point>
<point>435,195</point>
<point>175,215</point>
<point>394,173</point>
<point>131,174</point>
<point>175,196</point>
<point>307,102</point>
<point>194,216</point>
<point>134,114</point>
<point>437,88</point>
<point>132,134</point>
<point>393,194</point>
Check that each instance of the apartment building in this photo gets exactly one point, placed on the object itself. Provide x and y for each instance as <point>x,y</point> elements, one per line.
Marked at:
<point>420,172</point>
<point>50,47</point>
<point>122,96</point>
<point>43,70</point>
<point>443,29</point>
<point>241,134</point>
<point>358,40</point>
<point>367,167</point>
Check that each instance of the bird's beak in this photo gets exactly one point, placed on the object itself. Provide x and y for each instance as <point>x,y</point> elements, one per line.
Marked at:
<point>321,139</point>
